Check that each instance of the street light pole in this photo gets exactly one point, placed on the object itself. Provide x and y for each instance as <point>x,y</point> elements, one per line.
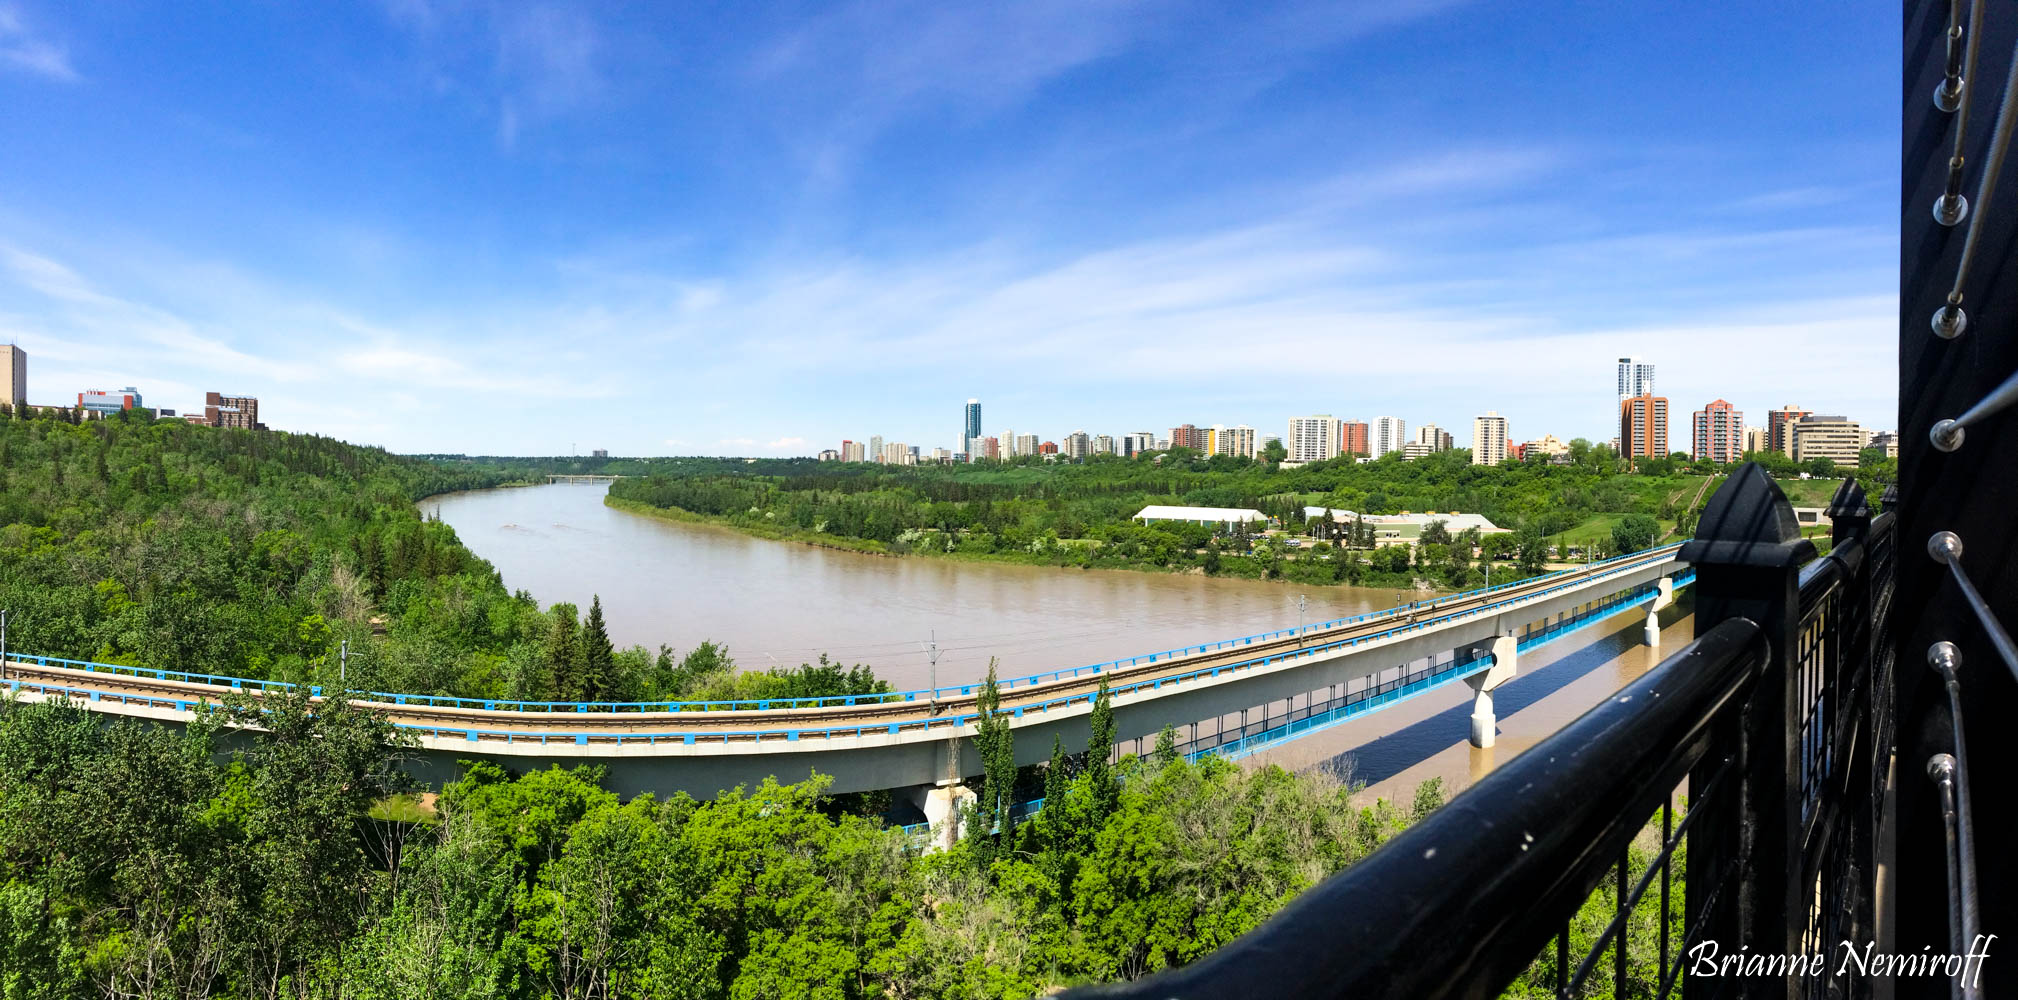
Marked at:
<point>1299,618</point>
<point>932,658</point>
<point>343,663</point>
<point>3,644</point>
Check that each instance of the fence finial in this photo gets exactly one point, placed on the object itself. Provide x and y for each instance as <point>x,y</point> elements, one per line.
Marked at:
<point>1748,521</point>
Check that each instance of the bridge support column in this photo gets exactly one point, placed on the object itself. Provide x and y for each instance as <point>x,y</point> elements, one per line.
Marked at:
<point>1484,724</point>
<point>1664,597</point>
<point>944,805</point>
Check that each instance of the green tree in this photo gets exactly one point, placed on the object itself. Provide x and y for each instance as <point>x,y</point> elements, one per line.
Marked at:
<point>995,742</point>
<point>1635,533</point>
<point>1100,779</point>
<point>597,661</point>
<point>564,653</point>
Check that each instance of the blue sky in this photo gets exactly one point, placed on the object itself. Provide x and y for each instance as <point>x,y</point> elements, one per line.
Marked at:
<point>757,229</point>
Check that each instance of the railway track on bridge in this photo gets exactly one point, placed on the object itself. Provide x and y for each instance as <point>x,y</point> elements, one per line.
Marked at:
<point>893,716</point>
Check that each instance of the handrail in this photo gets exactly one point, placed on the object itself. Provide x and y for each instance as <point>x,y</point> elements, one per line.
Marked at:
<point>931,695</point>
<point>954,722</point>
<point>1461,902</point>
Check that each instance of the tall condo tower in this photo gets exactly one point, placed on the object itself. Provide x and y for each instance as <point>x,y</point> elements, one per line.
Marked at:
<point>13,376</point>
<point>971,429</point>
<point>1389,434</point>
<point>1488,438</point>
<point>1635,378</point>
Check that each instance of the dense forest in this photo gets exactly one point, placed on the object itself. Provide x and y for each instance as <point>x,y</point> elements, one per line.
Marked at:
<point>260,553</point>
<point>1080,514</point>
<point>218,861</point>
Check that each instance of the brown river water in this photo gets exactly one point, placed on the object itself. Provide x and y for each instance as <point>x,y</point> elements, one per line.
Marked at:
<point>774,602</point>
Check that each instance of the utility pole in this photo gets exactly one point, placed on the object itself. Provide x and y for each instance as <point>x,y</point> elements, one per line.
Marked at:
<point>3,644</point>
<point>931,647</point>
<point>1300,603</point>
<point>343,663</point>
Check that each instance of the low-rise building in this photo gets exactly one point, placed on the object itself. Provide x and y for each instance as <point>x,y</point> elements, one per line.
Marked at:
<point>1836,438</point>
<point>1887,442</point>
<point>829,455</point>
<point>101,402</point>
<point>1225,517</point>
<point>1547,444</point>
<point>1406,527</point>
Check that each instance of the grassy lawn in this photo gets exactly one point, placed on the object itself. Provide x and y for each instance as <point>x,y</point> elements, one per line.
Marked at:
<point>1809,492</point>
<point>405,809</point>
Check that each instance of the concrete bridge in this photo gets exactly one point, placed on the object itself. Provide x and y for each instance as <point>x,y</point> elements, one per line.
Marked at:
<point>919,740</point>
<point>569,478</point>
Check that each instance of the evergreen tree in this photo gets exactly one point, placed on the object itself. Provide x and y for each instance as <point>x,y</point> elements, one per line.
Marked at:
<point>1056,778</point>
<point>564,653</point>
<point>598,657</point>
<point>1166,747</point>
<point>1099,754</point>
<point>997,747</point>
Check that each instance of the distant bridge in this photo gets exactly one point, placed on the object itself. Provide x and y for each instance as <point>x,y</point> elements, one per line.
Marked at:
<point>917,739</point>
<point>565,478</point>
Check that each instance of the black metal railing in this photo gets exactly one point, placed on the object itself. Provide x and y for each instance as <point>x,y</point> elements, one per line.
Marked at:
<point>1722,806</point>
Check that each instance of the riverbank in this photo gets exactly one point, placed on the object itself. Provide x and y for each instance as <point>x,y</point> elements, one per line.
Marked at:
<point>1084,554</point>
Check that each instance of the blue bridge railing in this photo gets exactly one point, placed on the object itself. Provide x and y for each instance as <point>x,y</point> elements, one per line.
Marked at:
<point>836,701</point>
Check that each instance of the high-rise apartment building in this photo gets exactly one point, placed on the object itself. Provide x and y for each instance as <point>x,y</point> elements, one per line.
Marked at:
<point>1635,378</point>
<point>1352,437</point>
<point>1077,446</point>
<point>829,455</point>
<point>1717,433</point>
<point>1008,443</point>
<point>893,453</point>
<point>875,447</point>
<point>1780,428</point>
<point>1026,444</point>
<point>1488,439</point>
<point>1643,428</point>
<point>1435,437</point>
<point>1187,436</point>
<point>221,410</point>
<point>971,422</point>
<point>13,376</point>
<point>1387,434</point>
<point>1835,438</point>
<point>1136,443</point>
<point>854,451</point>
<point>1103,444</point>
<point>1236,441</point>
<point>1312,439</point>
<point>1756,440</point>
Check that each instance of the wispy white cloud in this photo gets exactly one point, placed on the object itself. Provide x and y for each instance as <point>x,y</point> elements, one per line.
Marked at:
<point>25,51</point>
<point>528,63</point>
<point>787,442</point>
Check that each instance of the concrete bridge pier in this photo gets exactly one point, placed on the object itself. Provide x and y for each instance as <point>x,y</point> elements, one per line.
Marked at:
<point>945,802</point>
<point>1484,724</point>
<point>943,805</point>
<point>1662,599</point>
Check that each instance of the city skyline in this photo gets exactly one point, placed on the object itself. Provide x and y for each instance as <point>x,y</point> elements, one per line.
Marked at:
<point>1079,214</point>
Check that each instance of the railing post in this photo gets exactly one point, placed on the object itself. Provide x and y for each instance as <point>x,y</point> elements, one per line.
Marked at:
<point>1747,554</point>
